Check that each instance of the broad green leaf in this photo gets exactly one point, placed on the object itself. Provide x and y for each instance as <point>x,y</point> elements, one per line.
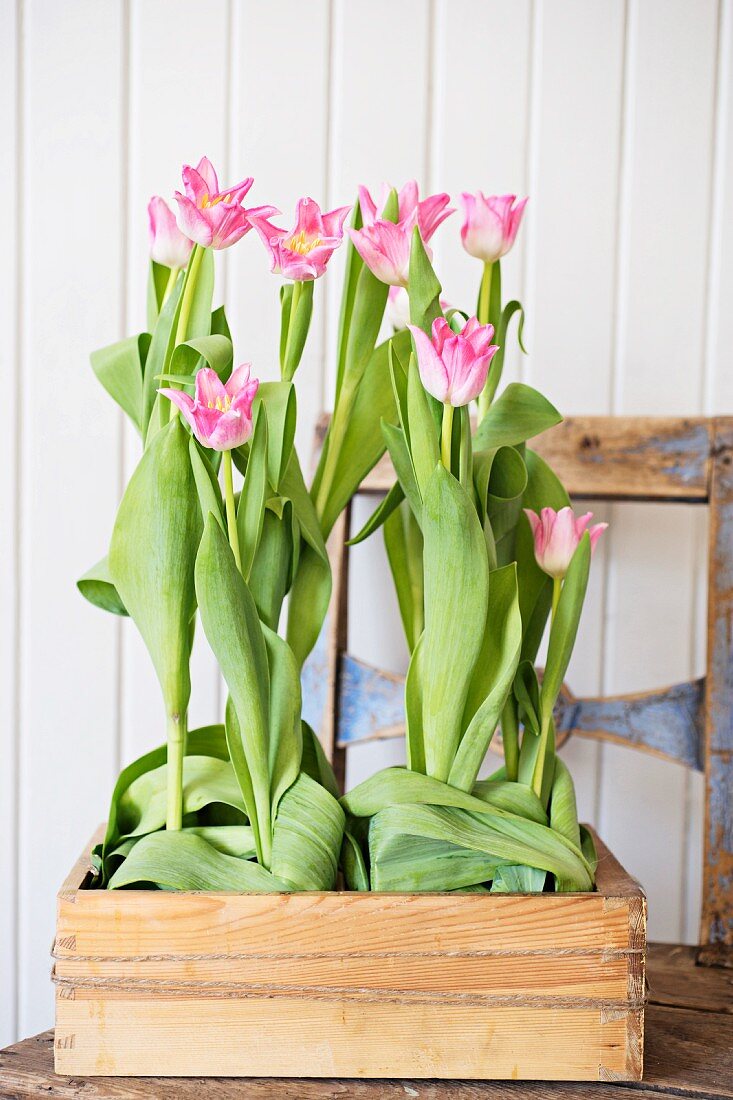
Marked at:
<point>98,587</point>
<point>184,861</point>
<point>403,787</point>
<point>527,695</point>
<point>404,544</point>
<point>564,814</point>
<point>141,808</point>
<point>514,879</point>
<point>396,444</point>
<point>501,324</point>
<point>354,265</point>
<point>232,626</point>
<point>456,575</point>
<point>518,414</point>
<point>353,866</point>
<point>414,737</point>
<point>151,559</point>
<point>286,739</point>
<point>416,864</point>
<point>199,321</point>
<point>504,837</point>
<point>424,446</point>
<point>272,566</point>
<point>158,278</point>
<point>311,590</point>
<point>119,367</point>
<point>363,445</point>
<point>588,848</point>
<point>215,350</point>
<point>314,762</point>
<point>492,677</point>
<point>207,484</point>
<point>424,287</point>
<point>307,836</point>
<point>232,840</point>
<point>157,361</point>
<point>219,323</point>
<point>565,627</point>
<point>279,400</point>
<point>251,509</point>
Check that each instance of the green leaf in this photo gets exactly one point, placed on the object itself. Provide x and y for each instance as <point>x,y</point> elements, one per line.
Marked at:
<point>286,739</point>
<point>207,483</point>
<point>518,414</point>
<point>184,861</point>
<point>380,515</point>
<point>456,601</point>
<point>354,265</point>
<point>404,787</point>
<point>423,433</point>
<point>119,367</point>
<point>311,590</point>
<point>415,864</point>
<point>219,323</point>
<point>404,544</point>
<point>424,287</point>
<point>492,677</point>
<point>353,866</point>
<point>396,443</point>
<point>272,567</point>
<point>565,627</point>
<point>307,836</point>
<point>151,558</point>
<point>158,276</point>
<point>98,587</point>
<point>414,736</point>
<point>216,351</point>
<point>527,694</point>
<point>158,358</point>
<point>298,326</point>
<point>251,509</point>
<point>314,762</point>
<point>278,398</point>
<point>232,626</point>
<point>514,879</point>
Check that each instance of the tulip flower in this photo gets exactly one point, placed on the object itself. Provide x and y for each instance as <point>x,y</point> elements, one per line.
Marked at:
<point>453,366</point>
<point>168,246</point>
<point>427,214</point>
<point>212,217</point>
<point>490,225</point>
<point>302,253</point>
<point>556,537</point>
<point>220,414</point>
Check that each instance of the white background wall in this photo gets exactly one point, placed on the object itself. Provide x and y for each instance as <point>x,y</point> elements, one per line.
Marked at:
<point>614,116</point>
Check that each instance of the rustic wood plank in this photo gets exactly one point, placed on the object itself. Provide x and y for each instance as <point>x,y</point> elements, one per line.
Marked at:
<point>716,927</point>
<point>615,458</point>
<point>688,1054</point>
<point>675,980</point>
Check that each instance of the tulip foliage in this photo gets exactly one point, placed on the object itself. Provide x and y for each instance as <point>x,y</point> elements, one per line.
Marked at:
<point>218,531</point>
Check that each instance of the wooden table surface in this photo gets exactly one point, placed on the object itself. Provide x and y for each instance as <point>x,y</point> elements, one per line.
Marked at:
<point>688,1052</point>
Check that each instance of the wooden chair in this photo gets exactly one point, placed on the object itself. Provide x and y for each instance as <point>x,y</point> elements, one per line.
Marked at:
<point>667,460</point>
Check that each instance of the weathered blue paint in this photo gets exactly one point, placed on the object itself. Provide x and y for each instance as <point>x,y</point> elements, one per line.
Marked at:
<point>668,722</point>
<point>682,456</point>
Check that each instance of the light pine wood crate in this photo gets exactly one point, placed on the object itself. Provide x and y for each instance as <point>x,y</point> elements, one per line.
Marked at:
<point>523,986</point>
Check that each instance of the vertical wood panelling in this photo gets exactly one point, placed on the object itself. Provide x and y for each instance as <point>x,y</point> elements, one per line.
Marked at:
<point>570,292</point>
<point>176,117</point>
<point>72,196</point>
<point>660,347</point>
<point>9,497</point>
<point>607,114</point>
<point>279,128</point>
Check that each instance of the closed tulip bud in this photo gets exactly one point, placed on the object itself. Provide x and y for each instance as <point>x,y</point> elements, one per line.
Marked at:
<point>490,225</point>
<point>556,537</point>
<point>453,366</point>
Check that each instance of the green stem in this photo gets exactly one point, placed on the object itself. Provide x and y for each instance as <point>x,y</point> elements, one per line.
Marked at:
<point>510,739</point>
<point>174,771</point>
<point>446,436</point>
<point>192,273</point>
<point>484,310</point>
<point>542,753</point>
<point>556,590</point>
<point>231,511</point>
<point>289,371</point>
<point>334,443</point>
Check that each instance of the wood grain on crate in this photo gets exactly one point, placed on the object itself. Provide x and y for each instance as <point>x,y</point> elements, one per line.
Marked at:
<point>688,1053</point>
<point>424,985</point>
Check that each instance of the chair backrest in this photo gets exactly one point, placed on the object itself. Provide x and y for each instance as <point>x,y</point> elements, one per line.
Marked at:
<point>670,459</point>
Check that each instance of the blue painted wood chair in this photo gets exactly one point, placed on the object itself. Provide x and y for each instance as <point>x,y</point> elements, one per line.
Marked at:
<point>687,460</point>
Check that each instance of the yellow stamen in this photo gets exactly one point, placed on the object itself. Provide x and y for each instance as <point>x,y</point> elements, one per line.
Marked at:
<point>300,245</point>
<point>222,404</point>
<point>206,201</point>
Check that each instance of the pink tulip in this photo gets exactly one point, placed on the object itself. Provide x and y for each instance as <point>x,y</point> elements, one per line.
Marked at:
<point>453,366</point>
<point>428,213</point>
<point>210,217</point>
<point>168,246</point>
<point>490,224</point>
<point>398,307</point>
<point>303,252</point>
<point>556,537</point>
<point>385,249</point>
<point>220,415</point>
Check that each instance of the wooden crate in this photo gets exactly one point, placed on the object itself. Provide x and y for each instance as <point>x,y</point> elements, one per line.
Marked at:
<point>544,986</point>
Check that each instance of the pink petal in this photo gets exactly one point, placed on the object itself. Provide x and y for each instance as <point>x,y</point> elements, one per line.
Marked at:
<point>433,373</point>
<point>534,521</point>
<point>595,533</point>
<point>385,249</point>
<point>183,402</point>
<point>243,401</point>
<point>308,219</point>
<point>333,222</point>
<point>209,388</point>
<point>168,246</point>
<point>191,221</point>
<point>441,331</point>
<point>237,192</point>
<point>194,184</point>
<point>207,173</point>
<point>367,206</point>
<point>431,213</point>
<point>407,200</point>
<point>232,430</point>
<point>238,380</point>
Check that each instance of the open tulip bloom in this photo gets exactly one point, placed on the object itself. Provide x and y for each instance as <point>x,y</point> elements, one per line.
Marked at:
<point>485,552</point>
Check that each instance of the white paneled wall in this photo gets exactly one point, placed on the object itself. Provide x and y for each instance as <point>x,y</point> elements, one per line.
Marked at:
<point>616,116</point>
